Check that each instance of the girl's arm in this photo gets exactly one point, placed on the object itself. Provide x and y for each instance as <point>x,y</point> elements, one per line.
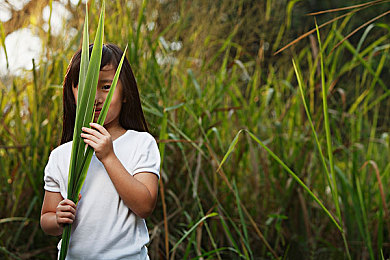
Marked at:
<point>56,211</point>
<point>138,192</point>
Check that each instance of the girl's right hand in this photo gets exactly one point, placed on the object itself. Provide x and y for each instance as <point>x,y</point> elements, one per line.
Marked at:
<point>65,212</point>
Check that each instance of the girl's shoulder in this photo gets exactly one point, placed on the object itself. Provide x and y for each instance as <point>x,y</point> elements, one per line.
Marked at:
<point>60,156</point>
<point>62,149</point>
<point>139,136</point>
<point>136,141</point>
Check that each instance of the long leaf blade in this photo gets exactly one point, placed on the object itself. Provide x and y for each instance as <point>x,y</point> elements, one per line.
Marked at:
<point>192,229</point>
<point>82,75</point>
<point>84,111</point>
<point>297,179</point>
<point>84,57</point>
<point>84,117</point>
<point>88,154</point>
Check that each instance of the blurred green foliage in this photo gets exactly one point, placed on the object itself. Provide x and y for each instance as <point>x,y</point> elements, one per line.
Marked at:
<point>206,70</point>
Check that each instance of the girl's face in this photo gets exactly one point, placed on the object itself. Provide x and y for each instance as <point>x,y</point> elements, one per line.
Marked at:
<point>106,75</point>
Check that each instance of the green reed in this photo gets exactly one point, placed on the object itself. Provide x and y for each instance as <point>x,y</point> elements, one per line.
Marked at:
<point>272,194</point>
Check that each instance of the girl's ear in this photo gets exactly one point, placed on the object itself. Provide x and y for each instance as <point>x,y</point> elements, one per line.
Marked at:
<point>124,100</point>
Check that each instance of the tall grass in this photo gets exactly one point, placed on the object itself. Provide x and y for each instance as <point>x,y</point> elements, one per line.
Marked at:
<point>217,202</point>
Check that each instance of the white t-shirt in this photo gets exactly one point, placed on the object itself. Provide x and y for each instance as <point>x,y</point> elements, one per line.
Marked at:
<point>105,228</point>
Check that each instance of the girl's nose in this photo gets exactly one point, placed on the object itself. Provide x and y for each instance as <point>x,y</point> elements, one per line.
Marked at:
<point>99,98</point>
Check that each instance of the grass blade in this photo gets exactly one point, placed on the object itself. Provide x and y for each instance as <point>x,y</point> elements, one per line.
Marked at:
<point>83,117</point>
<point>297,179</point>
<point>329,141</point>
<point>300,84</point>
<point>89,152</point>
<point>346,8</point>
<point>85,113</point>
<point>230,150</point>
<point>161,146</point>
<point>192,229</point>
<point>242,221</point>
<point>84,58</point>
<point>82,75</point>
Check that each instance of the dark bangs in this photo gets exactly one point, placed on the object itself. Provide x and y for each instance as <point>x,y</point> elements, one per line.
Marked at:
<point>72,76</point>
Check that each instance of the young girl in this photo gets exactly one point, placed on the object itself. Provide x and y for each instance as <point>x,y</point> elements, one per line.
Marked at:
<point>120,189</point>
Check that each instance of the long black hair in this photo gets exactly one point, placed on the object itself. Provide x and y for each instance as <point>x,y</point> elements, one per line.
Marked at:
<point>131,114</point>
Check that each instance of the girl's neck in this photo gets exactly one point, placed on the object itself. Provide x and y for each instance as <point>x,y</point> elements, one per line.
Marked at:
<point>115,131</point>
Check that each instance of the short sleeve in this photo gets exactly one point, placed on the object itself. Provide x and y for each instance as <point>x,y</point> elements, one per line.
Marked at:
<point>51,179</point>
<point>147,157</point>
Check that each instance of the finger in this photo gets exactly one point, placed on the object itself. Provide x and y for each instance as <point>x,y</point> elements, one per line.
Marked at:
<point>68,202</point>
<point>64,215</point>
<point>90,143</point>
<point>92,132</point>
<point>100,128</point>
<point>90,137</point>
<point>62,221</point>
<point>66,208</point>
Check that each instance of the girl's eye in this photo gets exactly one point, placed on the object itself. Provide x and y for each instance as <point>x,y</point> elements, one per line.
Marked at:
<point>106,87</point>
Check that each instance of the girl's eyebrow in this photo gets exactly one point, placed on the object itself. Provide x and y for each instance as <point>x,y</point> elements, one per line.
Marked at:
<point>105,81</point>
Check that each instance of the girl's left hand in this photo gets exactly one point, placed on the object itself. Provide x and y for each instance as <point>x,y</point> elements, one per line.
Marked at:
<point>99,139</point>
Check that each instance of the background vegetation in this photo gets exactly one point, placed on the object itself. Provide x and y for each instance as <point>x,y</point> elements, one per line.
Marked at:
<point>206,70</point>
